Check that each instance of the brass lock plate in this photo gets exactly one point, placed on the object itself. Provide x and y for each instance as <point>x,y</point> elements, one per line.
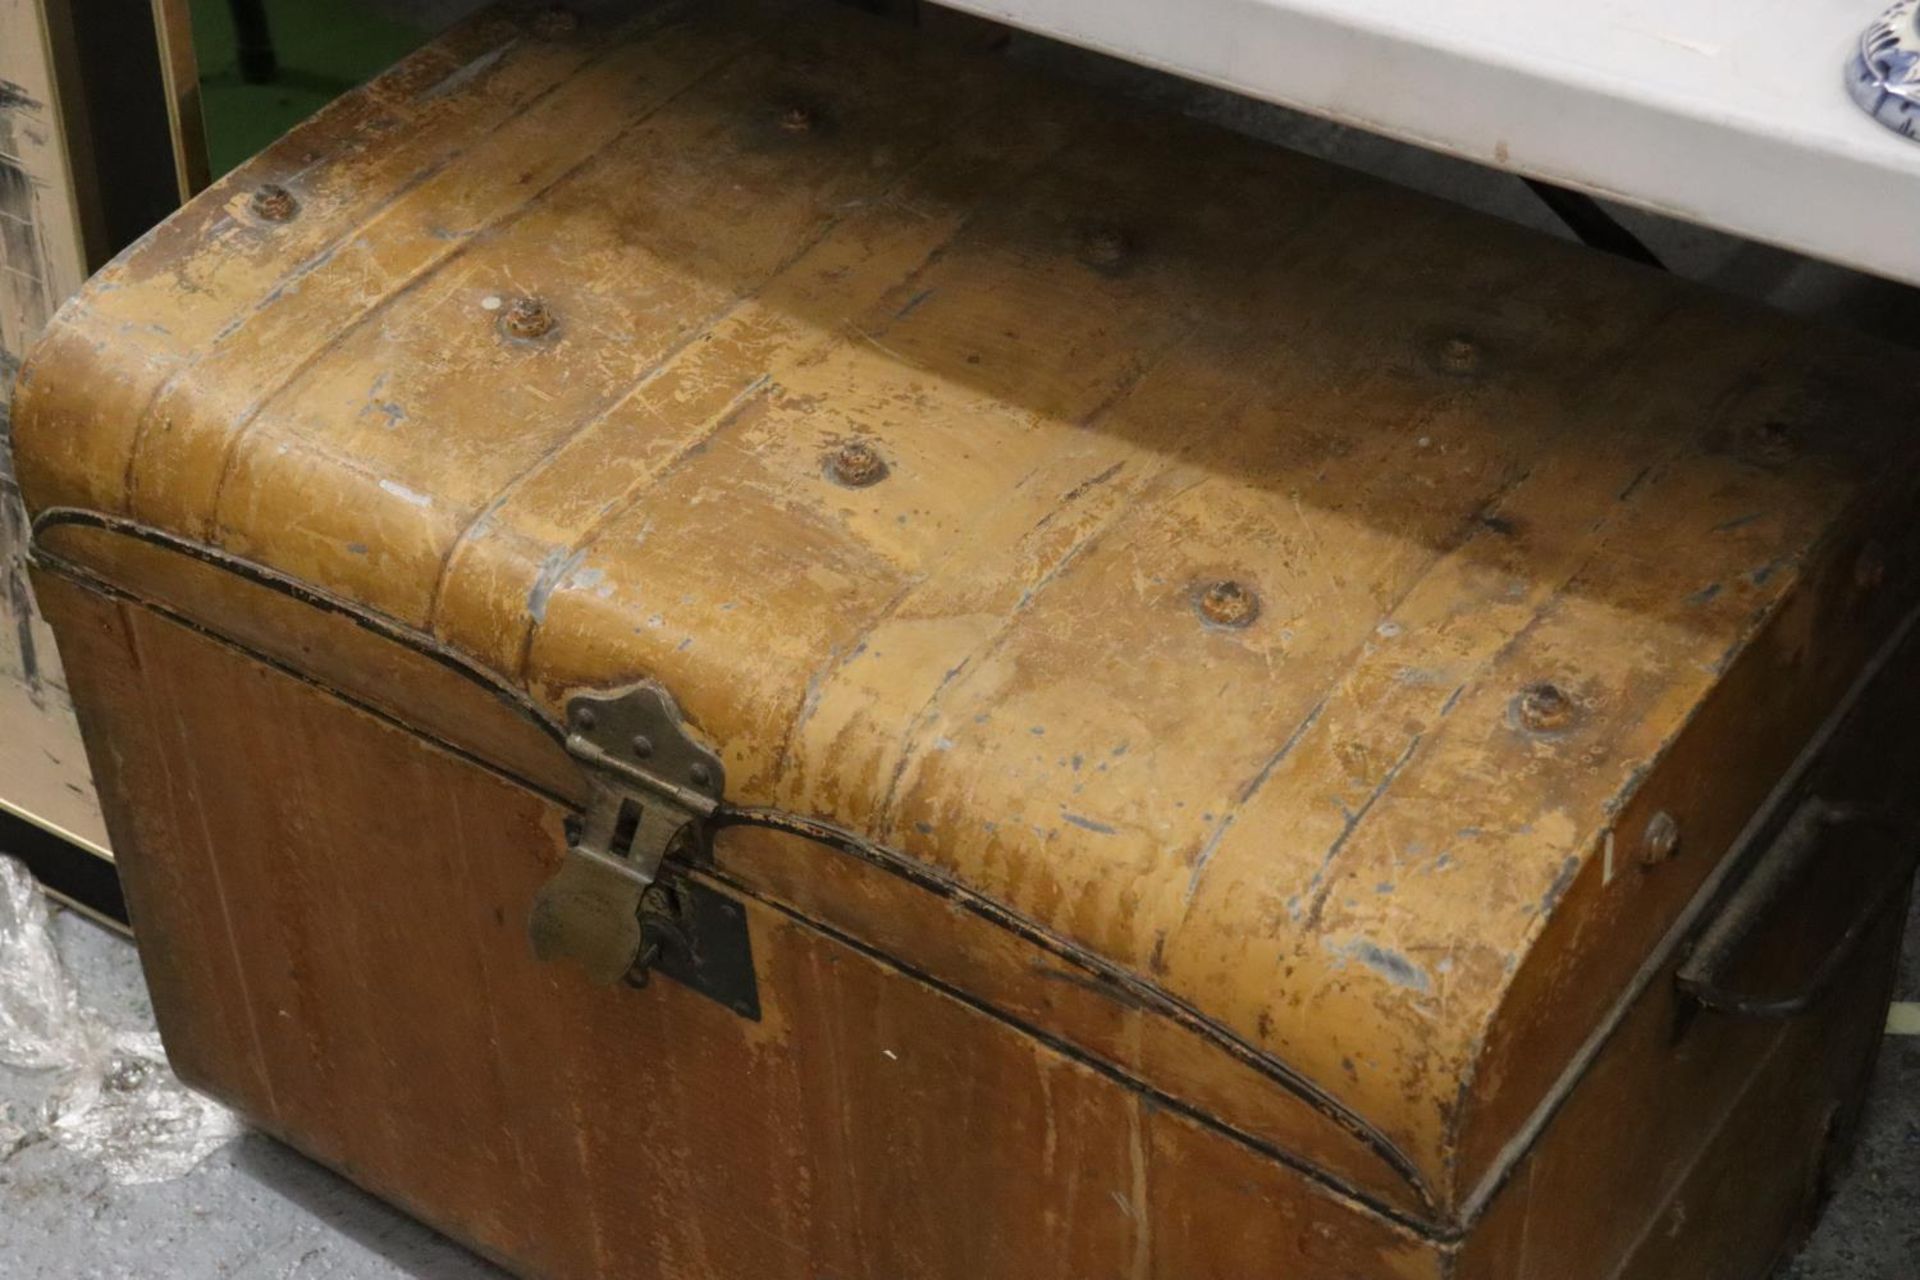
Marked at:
<point>707,946</point>
<point>614,907</point>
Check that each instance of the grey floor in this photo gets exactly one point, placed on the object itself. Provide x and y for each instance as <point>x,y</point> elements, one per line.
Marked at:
<point>250,1210</point>
<point>254,1210</point>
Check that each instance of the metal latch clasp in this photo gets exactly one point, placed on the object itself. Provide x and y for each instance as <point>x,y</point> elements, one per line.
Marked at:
<point>653,787</point>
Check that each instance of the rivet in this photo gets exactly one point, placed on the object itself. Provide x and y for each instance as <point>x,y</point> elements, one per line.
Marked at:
<point>1543,708</point>
<point>1103,246</point>
<point>550,24</point>
<point>1661,839</point>
<point>1770,441</point>
<point>527,318</point>
<point>1458,355</point>
<point>273,203</point>
<point>796,119</point>
<point>856,465</point>
<point>700,775</point>
<point>583,718</point>
<point>1227,603</point>
<point>1870,569</point>
<point>642,745</point>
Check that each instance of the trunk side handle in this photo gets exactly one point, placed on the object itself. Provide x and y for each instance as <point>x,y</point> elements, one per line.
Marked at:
<point>1812,828</point>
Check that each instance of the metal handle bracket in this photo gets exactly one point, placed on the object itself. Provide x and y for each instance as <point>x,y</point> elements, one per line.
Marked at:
<point>1811,829</point>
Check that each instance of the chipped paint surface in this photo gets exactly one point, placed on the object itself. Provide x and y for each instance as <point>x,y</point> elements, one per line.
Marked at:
<point>1322,829</point>
<point>405,494</point>
<point>1391,965</point>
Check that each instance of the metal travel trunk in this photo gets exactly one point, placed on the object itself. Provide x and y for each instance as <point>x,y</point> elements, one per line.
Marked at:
<point>722,644</point>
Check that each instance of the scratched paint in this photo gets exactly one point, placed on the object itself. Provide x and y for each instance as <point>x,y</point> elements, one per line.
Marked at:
<point>1390,964</point>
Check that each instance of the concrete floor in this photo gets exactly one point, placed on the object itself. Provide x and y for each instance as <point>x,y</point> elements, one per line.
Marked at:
<point>251,1210</point>
<point>254,1210</point>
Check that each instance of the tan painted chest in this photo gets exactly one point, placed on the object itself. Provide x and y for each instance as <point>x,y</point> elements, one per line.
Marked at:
<point>1146,706</point>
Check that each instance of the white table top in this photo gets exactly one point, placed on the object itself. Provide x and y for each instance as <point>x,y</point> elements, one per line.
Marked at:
<point>1730,113</point>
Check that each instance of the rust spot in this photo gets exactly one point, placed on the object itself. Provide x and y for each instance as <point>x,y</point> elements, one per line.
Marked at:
<point>856,465</point>
<point>527,318</point>
<point>1543,708</point>
<point>1661,840</point>
<point>272,202</point>
<point>1226,603</point>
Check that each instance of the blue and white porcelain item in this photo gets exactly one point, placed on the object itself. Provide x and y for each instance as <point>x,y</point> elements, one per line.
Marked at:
<point>1884,76</point>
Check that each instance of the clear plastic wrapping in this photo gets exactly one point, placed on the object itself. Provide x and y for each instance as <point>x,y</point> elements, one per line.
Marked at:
<point>104,1093</point>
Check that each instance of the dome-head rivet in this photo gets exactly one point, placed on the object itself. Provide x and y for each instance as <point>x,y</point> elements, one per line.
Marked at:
<point>856,465</point>
<point>527,318</point>
<point>272,202</point>
<point>1870,567</point>
<point>1103,246</point>
<point>1770,443</point>
<point>556,21</point>
<point>1543,708</point>
<point>1227,603</point>
<point>1661,839</point>
<point>1458,355</point>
